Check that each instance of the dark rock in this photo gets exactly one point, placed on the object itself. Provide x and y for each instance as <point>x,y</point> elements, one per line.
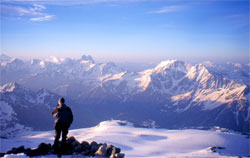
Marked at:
<point>12,151</point>
<point>27,151</point>
<point>78,148</point>
<point>70,140</point>
<point>70,150</point>
<point>120,155</point>
<point>109,150</point>
<point>75,143</point>
<point>122,123</point>
<point>66,149</point>
<point>33,152</point>
<point>219,147</point>
<point>86,152</point>
<point>117,150</point>
<point>71,147</point>
<point>56,148</point>
<point>44,149</point>
<point>20,149</point>
<point>102,151</point>
<point>100,144</point>
<point>2,154</point>
<point>85,145</point>
<point>93,147</point>
<point>213,149</point>
<point>112,154</point>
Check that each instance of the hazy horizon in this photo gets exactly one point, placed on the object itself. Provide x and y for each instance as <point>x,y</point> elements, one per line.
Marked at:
<point>191,60</point>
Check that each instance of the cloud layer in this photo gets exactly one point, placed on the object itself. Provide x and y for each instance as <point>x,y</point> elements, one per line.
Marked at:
<point>169,9</point>
<point>72,2</point>
<point>33,12</point>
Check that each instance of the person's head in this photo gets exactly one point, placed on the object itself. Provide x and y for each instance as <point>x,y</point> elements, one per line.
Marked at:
<point>61,101</point>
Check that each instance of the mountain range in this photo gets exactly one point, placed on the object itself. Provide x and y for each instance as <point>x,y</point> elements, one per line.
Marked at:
<point>174,94</point>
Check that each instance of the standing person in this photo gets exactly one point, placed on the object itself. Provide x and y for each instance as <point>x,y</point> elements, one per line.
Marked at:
<point>64,118</point>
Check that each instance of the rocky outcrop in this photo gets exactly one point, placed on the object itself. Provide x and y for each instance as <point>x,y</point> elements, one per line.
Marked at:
<point>72,146</point>
<point>215,148</point>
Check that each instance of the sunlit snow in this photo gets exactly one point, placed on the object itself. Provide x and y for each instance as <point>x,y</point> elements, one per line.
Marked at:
<point>142,142</point>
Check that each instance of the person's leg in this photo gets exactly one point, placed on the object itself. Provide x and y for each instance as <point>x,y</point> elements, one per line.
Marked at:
<point>65,131</point>
<point>64,137</point>
<point>58,130</point>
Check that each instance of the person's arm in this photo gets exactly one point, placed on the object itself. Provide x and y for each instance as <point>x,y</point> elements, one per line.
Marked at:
<point>54,112</point>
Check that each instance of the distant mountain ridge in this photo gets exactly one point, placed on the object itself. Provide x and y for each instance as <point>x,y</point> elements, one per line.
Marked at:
<point>174,94</point>
<point>26,108</point>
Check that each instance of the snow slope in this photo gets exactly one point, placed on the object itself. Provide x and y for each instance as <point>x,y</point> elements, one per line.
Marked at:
<point>142,142</point>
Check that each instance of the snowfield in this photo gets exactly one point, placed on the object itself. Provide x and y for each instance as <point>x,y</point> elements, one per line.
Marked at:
<point>144,142</point>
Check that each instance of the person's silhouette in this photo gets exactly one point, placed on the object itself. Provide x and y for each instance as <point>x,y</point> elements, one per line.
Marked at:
<point>64,118</point>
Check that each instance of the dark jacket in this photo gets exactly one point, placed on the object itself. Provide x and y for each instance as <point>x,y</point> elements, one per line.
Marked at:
<point>63,114</point>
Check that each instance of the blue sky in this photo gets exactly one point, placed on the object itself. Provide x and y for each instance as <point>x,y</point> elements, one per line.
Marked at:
<point>127,30</point>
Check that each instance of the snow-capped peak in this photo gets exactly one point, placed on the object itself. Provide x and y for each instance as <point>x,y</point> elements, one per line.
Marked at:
<point>208,64</point>
<point>16,61</point>
<point>198,72</point>
<point>55,60</point>
<point>4,57</point>
<point>35,61</point>
<point>10,87</point>
<point>166,63</point>
<point>171,64</point>
<point>42,64</point>
<point>87,58</point>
